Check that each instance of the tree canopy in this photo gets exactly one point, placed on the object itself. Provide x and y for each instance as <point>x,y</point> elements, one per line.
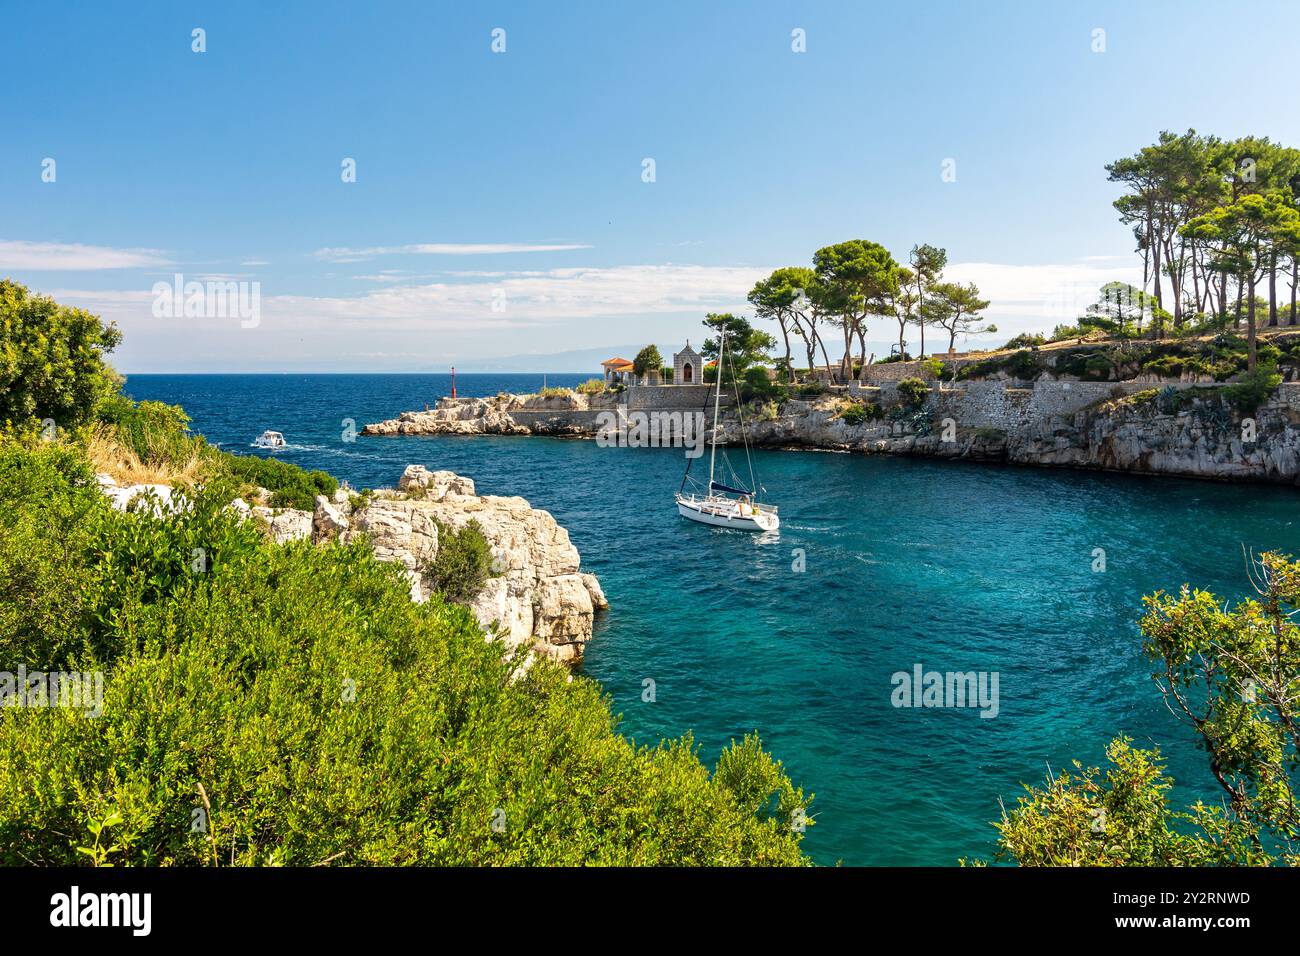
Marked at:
<point>747,346</point>
<point>647,359</point>
<point>53,359</point>
<point>1230,672</point>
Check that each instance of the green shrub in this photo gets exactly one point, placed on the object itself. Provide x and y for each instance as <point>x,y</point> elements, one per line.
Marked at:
<point>855,413</point>
<point>1254,389</point>
<point>52,360</point>
<point>462,564</point>
<point>646,359</point>
<point>1063,332</point>
<point>325,715</point>
<point>592,386</point>
<point>812,389</point>
<point>1026,340</point>
<point>1088,364</point>
<point>756,384</point>
<point>157,433</point>
<point>1098,366</point>
<point>1019,365</point>
<point>49,503</point>
<point>913,391</point>
<point>290,486</point>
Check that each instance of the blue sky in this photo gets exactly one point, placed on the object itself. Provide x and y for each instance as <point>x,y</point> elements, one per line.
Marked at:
<point>499,207</point>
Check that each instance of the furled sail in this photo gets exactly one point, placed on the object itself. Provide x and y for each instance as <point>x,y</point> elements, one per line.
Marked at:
<point>719,486</point>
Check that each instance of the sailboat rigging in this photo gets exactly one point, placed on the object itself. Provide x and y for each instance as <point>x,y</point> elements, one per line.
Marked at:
<point>715,506</point>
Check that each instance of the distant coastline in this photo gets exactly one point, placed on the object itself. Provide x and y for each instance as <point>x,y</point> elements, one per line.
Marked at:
<point>1037,406</point>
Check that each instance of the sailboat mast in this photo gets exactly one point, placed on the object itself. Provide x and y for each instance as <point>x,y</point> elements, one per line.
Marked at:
<point>717,400</point>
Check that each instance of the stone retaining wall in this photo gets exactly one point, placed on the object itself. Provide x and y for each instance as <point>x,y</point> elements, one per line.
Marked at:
<point>669,397</point>
<point>1010,405</point>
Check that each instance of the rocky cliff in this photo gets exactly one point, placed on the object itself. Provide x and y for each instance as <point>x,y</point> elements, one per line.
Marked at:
<point>536,592</point>
<point>493,416</point>
<point>1193,432</point>
<point>1184,428</point>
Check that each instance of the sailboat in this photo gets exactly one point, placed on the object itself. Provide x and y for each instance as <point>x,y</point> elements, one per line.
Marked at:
<point>715,506</point>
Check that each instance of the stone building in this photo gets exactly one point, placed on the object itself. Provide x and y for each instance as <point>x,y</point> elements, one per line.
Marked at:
<point>688,366</point>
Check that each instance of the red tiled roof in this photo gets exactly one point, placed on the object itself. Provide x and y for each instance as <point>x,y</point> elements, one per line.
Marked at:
<point>616,363</point>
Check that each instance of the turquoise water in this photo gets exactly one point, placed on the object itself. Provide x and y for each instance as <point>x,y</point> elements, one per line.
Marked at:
<point>957,567</point>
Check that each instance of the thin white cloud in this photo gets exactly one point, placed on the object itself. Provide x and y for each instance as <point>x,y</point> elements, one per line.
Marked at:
<point>347,254</point>
<point>485,315</point>
<point>507,300</point>
<point>61,256</point>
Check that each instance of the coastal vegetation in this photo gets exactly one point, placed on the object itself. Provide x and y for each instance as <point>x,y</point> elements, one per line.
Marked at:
<point>267,704</point>
<point>1229,671</point>
<point>463,562</point>
<point>854,281</point>
<point>1217,224</point>
<point>647,360</point>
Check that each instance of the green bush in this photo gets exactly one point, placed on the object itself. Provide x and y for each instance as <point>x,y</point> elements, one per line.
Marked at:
<point>755,384</point>
<point>1019,365</point>
<point>290,486</point>
<point>1063,332</point>
<point>1098,367</point>
<point>156,432</point>
<point>1088,364</point>
<point>913,391</point>
<point>463,562</point>
<point>325,716</point>
<point>648,358</point>
<point>1026,340</point>
<point>1254,389</point>
<point>52,360</point>
<point>592,386</point>
<point>855,413</point>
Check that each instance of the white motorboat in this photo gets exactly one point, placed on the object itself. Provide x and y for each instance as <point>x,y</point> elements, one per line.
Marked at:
<point>269,439</point>
<point>715,506</point>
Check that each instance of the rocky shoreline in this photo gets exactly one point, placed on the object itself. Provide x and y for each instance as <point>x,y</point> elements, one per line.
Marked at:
<point>537,593</point>
<point>1183,428</point>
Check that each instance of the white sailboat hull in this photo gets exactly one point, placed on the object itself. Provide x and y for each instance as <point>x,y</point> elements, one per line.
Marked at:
<point>726,513</point>
<point>719,511</point>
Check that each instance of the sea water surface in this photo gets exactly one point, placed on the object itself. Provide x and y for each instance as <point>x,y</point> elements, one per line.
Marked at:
<point>953,566</point>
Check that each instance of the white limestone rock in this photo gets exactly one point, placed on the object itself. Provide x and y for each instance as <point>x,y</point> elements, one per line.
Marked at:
<point>285,524</point>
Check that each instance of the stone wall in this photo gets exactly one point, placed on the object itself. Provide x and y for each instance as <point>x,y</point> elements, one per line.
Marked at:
<point>878,372</point>
<point>1010,405</point>
<point>668,397</point>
